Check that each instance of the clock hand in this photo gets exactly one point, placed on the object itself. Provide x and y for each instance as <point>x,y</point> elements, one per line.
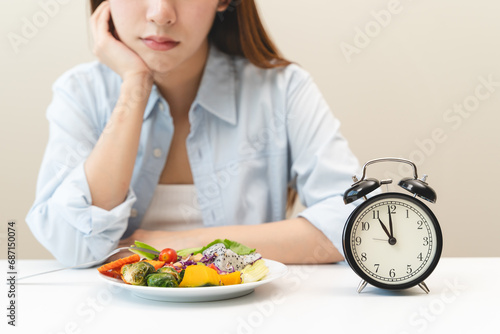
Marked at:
<point>390,221</point>
<point>385,228</point>
<point>392,240</point>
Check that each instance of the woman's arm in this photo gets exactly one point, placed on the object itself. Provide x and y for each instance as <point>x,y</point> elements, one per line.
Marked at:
<point>110,165</point>
<point>81,164</point>
<point>288,241</point>
<point>62,217</point>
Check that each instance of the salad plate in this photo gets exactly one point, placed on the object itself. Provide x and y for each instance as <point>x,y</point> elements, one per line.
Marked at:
<point>200,294</point>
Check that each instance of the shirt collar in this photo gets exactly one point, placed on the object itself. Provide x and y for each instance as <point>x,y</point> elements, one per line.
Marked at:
<point>216,93</point>
<point>153,98</point>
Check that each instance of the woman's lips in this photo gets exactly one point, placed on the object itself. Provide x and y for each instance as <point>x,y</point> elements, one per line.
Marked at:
<point>159,43</point>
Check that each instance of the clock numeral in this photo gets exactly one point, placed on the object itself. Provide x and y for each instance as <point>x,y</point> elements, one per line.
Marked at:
<point>392,208</point>
<point>408,269</point>
<point>420,257</point>
<point>363,257</point>
<point>376,265</point>
<point>419,223</point>
<point>426,241</point>
<point>375,214</point>
<point>392,273</point>
<point>407,214</point>
<point>358,241</point>
<point>365,226</point>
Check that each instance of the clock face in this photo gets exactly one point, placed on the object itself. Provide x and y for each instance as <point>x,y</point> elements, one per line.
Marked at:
<point>392,241</point>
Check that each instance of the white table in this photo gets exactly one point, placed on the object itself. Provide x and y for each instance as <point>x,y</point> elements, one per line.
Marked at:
<point>464,298</point>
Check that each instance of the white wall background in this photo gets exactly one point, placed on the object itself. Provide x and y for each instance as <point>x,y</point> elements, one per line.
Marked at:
<point>412,65</point>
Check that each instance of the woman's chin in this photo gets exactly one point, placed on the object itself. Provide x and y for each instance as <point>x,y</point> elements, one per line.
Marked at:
<point>158,64</point>
<point>161,69</point>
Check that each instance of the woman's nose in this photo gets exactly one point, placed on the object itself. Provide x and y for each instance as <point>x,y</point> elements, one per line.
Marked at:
<point>161,12</point>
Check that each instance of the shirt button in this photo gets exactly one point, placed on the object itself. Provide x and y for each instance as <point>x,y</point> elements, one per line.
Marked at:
<point>161,106</point>
<point>133,213</point>
<point>157,152</point>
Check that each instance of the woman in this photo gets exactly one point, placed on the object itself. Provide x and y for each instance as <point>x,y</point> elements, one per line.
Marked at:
<point>189,92</point>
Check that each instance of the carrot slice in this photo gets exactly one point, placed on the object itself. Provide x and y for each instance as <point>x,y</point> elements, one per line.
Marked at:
<point>115,273</point>
<point>156,264</point>
<point>118,263</point>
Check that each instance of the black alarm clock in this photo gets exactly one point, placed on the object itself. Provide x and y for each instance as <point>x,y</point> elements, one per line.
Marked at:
<point>392,240</point>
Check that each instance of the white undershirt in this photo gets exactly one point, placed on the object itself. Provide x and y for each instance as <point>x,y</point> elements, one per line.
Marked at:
<point>174,207</point>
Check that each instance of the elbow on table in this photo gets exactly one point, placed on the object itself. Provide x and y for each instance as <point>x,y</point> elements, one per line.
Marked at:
<point>67,244</point>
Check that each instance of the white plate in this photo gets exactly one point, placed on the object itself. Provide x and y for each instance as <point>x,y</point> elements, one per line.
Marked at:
<point>201,294</point>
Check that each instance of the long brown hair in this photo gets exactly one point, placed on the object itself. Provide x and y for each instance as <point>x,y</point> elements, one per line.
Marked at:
<point>239,31</point>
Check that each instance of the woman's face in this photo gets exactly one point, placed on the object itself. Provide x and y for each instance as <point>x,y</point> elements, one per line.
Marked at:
<point>164,33</point>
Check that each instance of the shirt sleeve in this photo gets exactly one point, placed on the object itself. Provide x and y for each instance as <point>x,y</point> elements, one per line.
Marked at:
<point>62,217</point>
<point>322,165</point>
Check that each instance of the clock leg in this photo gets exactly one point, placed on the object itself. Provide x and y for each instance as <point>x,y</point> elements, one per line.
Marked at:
<point>361,285</point>
<point>424,287</point>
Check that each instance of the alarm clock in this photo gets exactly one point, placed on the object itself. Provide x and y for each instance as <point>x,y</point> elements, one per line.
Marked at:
<point>392,240</point>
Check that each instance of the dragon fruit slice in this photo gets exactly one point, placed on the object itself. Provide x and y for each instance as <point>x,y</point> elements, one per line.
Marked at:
<point>230,261</point>
<point>217,249</point>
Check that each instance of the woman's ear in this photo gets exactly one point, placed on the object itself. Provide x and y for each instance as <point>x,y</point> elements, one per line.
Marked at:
<point>223,4</point>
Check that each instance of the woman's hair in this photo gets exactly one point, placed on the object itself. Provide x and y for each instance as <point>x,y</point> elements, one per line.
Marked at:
<point>239,31</point>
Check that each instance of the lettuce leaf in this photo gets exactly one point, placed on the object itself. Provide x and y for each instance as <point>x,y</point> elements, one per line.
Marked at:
<point>188,251</point>
<point>238,248</point>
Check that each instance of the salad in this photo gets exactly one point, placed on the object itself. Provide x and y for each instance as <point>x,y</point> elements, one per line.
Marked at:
<point>221,262</point>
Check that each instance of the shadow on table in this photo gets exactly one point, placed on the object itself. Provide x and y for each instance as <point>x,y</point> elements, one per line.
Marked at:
<point>259,294</point>
<point>371,291</point>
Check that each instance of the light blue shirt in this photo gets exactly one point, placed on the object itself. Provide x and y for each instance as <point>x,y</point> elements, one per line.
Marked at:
<point>253,132</point>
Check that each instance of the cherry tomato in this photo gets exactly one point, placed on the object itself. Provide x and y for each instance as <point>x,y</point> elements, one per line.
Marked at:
<point>168,255</point>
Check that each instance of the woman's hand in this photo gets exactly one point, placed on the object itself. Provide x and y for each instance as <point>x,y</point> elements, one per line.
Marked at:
<point>111,51</point>
<point>299,241</point>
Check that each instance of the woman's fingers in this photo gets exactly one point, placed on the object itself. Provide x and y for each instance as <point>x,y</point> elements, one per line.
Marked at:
<point>100,26</point>
<point>110,50</point>
<point>94,19</point>
<point>103,20</point>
